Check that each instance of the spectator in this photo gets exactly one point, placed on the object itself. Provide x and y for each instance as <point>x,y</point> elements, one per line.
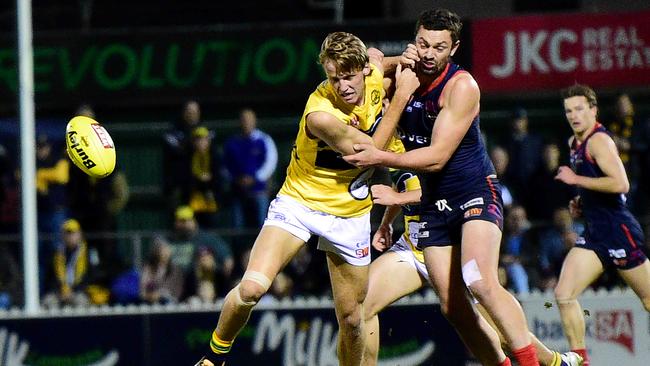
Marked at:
<point>641,164</point>
<point>500,159</point>
<point>5,171</point>
<point>240,268</point>
<point>96,204</point>
<point>11,278</point>
<point>631,138</point>
<point>621,128</point>
<point>125,289</point>
<point>554,243</point>
<point>251,159</point>
<point>176,150</point>
<point>524,149</point>
<point>162,280</point>
<point>281,288</point>
<point>204,280</point>
<point>52,175</point>
<point>204,188</point>
<point>85,110</point>
<point>9,194</point>
<point>187,238</point>
<point>73,269</point>
<point>307,271</point>
<point>555,193</point>
<point>515,242</point>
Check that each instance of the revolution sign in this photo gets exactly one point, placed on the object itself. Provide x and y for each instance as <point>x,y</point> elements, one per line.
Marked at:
<point>553,51</point>
<point>137,67</point>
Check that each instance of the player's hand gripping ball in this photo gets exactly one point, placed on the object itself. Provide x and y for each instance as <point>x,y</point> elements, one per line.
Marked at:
<point>90,147</point>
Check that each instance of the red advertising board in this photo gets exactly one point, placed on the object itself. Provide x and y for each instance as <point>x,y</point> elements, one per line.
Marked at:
<point>553,51</point>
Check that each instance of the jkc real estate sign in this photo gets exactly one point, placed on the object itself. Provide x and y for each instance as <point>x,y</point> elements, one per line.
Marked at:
<point>548,52</point>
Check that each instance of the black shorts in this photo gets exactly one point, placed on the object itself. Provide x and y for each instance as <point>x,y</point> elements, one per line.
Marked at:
<point>617,243</point>
<point>442,225</point>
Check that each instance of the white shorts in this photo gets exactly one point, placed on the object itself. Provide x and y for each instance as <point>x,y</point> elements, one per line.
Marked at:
<point>349,237</point>
<point>404,250</point>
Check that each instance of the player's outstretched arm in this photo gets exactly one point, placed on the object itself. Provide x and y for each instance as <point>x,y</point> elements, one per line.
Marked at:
<point>460,104</point>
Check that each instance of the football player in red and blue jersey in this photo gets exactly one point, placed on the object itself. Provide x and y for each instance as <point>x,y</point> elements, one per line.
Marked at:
<point>612,236</point>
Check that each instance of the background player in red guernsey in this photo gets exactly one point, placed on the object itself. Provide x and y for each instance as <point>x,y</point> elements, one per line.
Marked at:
<point>612,236</point>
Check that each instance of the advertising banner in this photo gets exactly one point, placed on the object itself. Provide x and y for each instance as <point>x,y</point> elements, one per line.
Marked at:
<point>410,336</point>
<point>554,51</point>
<point>149,67</point>
<point>72,341</point>
<point>618,328</point>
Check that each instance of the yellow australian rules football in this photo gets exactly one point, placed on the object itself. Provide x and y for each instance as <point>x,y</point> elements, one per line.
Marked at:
<point>90,147</point>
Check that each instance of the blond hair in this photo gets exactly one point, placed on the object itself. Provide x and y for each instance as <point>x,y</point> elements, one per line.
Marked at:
<point>345,50</point>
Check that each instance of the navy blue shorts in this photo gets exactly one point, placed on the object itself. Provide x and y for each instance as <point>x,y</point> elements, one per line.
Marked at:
<point>617,243</point>
<point>442,225</point>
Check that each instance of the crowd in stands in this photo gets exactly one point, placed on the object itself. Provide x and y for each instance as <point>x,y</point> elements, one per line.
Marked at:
<point>191,262</point>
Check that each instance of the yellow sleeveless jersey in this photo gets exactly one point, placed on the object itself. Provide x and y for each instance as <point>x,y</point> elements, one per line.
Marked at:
<point>405,181</point>
<point>317,176</point>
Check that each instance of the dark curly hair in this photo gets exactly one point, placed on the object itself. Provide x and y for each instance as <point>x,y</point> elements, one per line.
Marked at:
<point>440,19</point>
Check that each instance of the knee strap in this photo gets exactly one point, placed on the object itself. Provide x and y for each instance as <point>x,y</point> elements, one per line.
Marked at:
<point>259,278</point>
<point>238,300</point>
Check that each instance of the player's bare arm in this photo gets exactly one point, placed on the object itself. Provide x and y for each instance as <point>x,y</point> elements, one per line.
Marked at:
<point>387,196</point>
<point>603,150</point>
<point>386,128</point>
<point>338,135</point>
<point>376,57</point>
<point>460,104</point>
<point>408,58</point>
<point>406,82</point>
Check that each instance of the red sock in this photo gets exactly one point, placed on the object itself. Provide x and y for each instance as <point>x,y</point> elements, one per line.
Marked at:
<point>526,356</point>
<point>506,362</point>
<point>583,353</point>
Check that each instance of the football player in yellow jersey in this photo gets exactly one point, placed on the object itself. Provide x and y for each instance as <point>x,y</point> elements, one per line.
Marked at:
<point>401,270</point>
<point>322,195</point>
